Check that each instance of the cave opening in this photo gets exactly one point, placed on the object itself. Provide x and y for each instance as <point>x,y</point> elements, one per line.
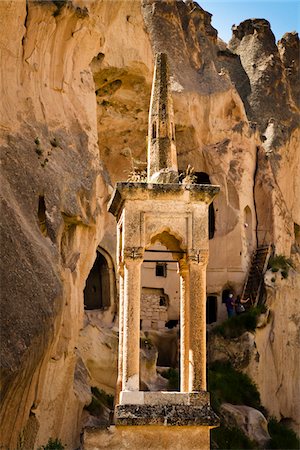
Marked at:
<point>203,178</point>
<point>97,291</point>
<point>42,215</point>
<point>211,309</point>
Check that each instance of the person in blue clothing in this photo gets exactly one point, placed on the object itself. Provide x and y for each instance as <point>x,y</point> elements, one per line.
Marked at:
<point>230,305</point>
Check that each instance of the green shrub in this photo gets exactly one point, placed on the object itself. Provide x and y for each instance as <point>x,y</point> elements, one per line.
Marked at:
<point>228,385</point>
<point>173,376</point>
<point>282,263</point>
<point>282,437</point>
<point>237,325</point>
<point>53,445</point>
<point>230,438</point>
<point>99,399</point>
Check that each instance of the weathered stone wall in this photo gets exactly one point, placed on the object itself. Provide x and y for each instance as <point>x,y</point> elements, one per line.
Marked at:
<point>153,315</point>
<point>49,157</point>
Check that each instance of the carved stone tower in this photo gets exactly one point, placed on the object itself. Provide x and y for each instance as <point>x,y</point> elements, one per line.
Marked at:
<point>162,156</point>
<point>176,215</point>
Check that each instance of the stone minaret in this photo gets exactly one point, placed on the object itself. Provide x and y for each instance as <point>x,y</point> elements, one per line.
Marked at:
<point>176,215</point>
<point>162,157</point>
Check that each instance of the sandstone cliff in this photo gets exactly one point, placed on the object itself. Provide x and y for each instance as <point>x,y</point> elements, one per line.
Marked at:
<point>75,88</point>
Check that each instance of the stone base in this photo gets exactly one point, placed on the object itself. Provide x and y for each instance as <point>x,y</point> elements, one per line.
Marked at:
<point>160,398</point>
<point>154,437</point>
<point>166,420</point>
<point>166,415</point>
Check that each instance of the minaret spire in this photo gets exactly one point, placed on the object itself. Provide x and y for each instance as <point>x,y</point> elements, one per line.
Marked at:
<point>162,156</point>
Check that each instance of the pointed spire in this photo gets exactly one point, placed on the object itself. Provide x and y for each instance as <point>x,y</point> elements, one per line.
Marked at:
<point>162,156</point>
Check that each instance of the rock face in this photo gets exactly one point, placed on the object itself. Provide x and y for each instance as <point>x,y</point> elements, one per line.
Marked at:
<point>73,121</point>
<point>238,351</point>
<point>273,364</point>
<point>251,421</point>
<point>53,193</point>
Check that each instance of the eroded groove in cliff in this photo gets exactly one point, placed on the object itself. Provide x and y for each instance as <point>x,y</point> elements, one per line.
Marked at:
<point>42,215</point>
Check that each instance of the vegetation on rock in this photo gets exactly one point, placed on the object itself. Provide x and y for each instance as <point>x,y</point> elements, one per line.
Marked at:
<point>281,263</point>
<point>282,437</point>
<point>230,438</point>
<point>237,325</point>
<point>100,399</point>
<point>231,386</point>
<point>53,444</point>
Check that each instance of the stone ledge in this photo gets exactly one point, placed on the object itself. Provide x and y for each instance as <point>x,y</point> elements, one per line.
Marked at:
<point>167,415</point>
<point>185,193</point>
<point>200,398</point>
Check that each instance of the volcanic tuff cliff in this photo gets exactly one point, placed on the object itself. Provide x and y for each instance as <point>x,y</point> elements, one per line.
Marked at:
<point>75,88</point>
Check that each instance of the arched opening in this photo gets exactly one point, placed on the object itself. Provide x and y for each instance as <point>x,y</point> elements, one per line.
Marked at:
<point>211,309</point>
<point>98,289</point>
<point>203,178</point>
<point>248,226</point>
<point>154,130</point>
<point>160,310</point>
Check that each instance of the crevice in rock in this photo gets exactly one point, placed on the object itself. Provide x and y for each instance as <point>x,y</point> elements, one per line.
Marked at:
<point>25,32</point>
<point>42,216</point>
<point>254,199</point>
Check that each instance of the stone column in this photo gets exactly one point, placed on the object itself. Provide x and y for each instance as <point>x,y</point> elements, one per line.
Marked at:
<point>184,325</point>
<point>121,331</point>
<point>131,331</point>
<point>197,356</point>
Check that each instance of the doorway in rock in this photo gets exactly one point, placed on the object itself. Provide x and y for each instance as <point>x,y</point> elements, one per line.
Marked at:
<point>211,309</point>
<point>98,289</point>
<point>203,178</point>
<point>160,311</point>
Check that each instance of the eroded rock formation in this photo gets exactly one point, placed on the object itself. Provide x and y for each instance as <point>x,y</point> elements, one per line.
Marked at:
<point>75,89</point>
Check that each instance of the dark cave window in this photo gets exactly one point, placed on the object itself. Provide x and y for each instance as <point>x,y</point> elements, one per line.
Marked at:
<point>211,309</point>
<point>97,288</point>
<point>161,270</point>
<point>162,301</point>
<point>203,178</point>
